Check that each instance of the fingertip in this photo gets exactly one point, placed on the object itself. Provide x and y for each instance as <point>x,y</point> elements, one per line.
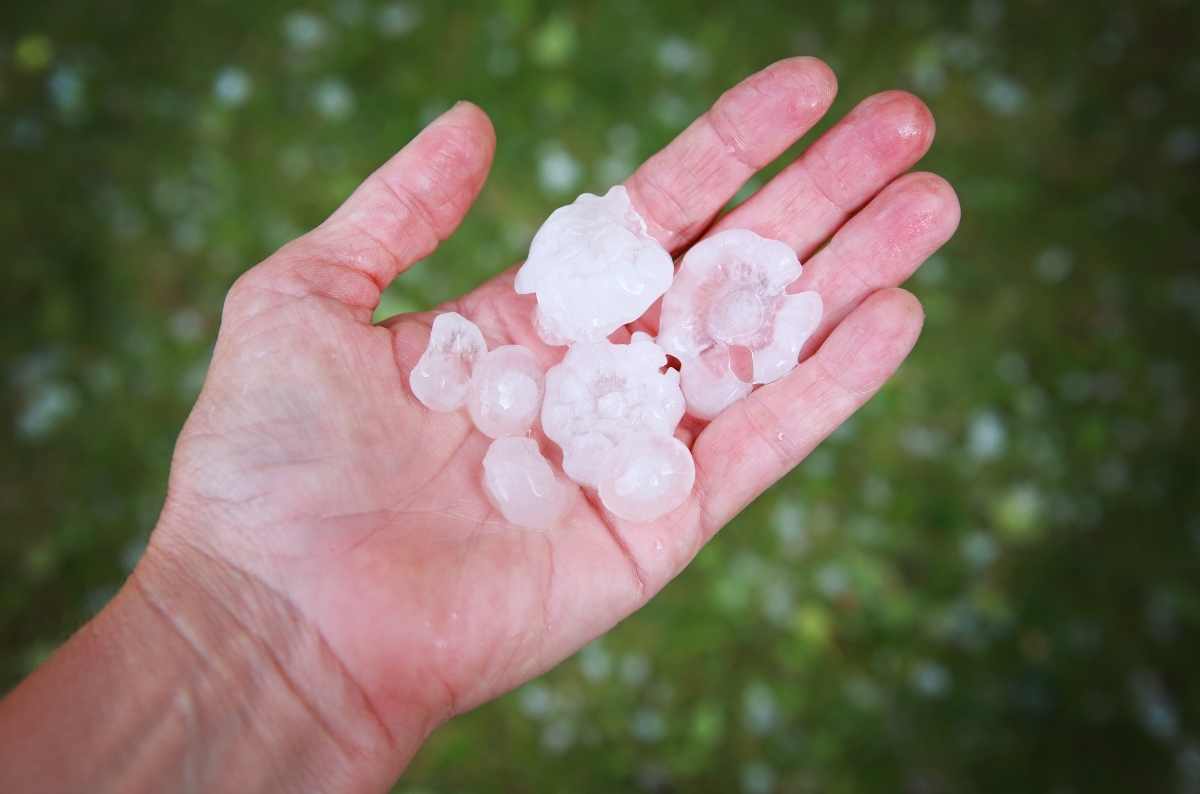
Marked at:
<point>462,138</point>
<point>898,320</point>
<point>904,122</point>
<point>922,206</point>
<point>943,198</point>
<point>806,85</point>
<point>906,306</point>
<point>824,75</point>
<point>473,118</point>
<point>816,82</point>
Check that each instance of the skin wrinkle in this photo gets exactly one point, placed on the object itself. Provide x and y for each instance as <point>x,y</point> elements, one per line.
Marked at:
<point>680,223</point>
<point>826,167</point>
<point>191,771</point>
<point>727,132</point>
<point>451,696</point>
<point>639,576</point>
<point>796,203</point>
<point>414,206</point>
<point>381,282</point>
<point>291,300</point>
<point>548,586</point>
<point>450,458</point>
<point>456,155</point>
<point>389,514</point>
<point>347,748</point>
<point>708,524</point>
<point>323,647</point>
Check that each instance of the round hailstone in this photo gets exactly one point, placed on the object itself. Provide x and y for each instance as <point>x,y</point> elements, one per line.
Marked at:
<point>646,477</point>
<point>522,485</point>
<point>729,297</point>
<point>600,393</point>
<point>594,268</point>
<point>441,377</point>
<point>506,392</point>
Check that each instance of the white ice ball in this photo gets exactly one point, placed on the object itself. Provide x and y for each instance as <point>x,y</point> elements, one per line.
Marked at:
<point>506,391</point>
<point>441,377</point>
<point>594,267</point>
<point>522,484</point>
<point>647,476</point>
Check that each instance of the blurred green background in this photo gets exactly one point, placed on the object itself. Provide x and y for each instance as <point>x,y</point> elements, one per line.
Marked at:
<point>988,581</point>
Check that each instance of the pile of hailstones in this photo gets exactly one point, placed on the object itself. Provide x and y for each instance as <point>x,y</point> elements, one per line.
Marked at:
<point>612,409</point>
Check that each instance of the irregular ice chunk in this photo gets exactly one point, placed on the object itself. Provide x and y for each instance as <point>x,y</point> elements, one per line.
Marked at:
<point>647,476</point>
<point>441,376</point>
<point>730,294</point>
<point>506,391</point>
<point>600,393</point>
<point>522,485</point>
<point>594,268</point>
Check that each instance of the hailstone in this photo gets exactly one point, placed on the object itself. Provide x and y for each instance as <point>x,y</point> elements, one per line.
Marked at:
<point>646,477</point>
<point>730,295</point>
<point>441,377</point>
<point>522,484</point>
<point>594,267</point>
<point>601,393</point>
<point>505,393</point>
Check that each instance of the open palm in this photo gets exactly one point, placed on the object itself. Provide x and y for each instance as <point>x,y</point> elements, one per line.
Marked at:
<point>309,468</point>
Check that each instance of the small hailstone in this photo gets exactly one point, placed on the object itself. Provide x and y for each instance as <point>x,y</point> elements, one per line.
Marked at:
<point>600,393</point>
<point>647,476</point>
<point>506,391</point>
<point>730,294</point>
<point>594,267</point>
<point>441,377</point>
<point>522,485</point>
<point>710,384</point>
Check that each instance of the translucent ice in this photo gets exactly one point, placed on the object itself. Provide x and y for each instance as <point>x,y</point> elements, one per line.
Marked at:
<point>600,393</point>
<point>506,391</point>
<point>710,384</point>
<point>647,476</point>
<point>523,486</point>
<point>729,299</point>
<point>594,267</point>
<point>441,376</point>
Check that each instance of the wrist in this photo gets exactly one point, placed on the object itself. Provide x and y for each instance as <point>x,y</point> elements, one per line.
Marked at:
<point>272,702</point>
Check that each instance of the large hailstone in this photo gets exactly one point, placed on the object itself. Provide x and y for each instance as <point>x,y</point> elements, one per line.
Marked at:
<point>602,393</point>
<point>441,378</point>
<point>729,299</point>
<point>647,476</point>
<point>505,392</point>
<point>522,484</point>
<point>594,268</point>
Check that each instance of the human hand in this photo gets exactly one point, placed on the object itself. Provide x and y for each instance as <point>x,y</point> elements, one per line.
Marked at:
<point>312,496</point>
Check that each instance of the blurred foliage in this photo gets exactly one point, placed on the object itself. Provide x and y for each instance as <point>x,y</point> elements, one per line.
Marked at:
<point>988,581</point>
